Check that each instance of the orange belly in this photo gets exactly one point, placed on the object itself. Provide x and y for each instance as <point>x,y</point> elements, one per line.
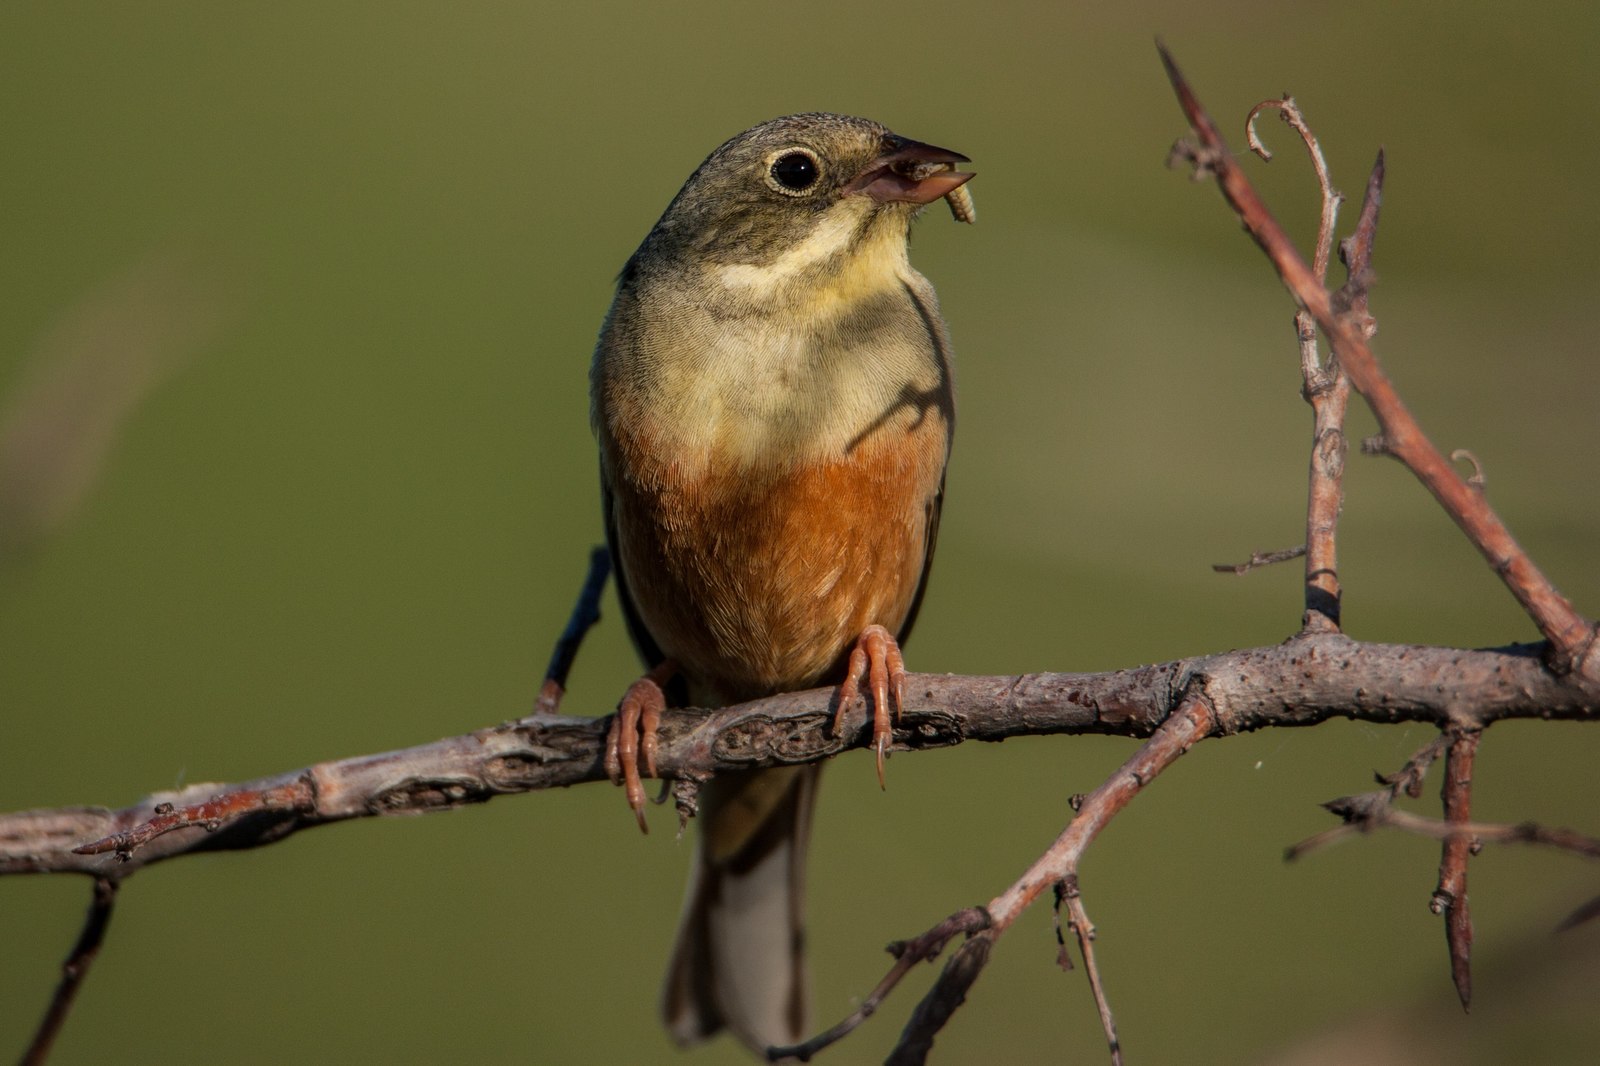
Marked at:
<point>758,581</point>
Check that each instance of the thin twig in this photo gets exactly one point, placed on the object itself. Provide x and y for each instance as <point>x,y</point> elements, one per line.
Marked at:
<point>1580,915</point>
<point>1568,840</point>
<point>1571,635</point>
<point>211,815</point>
<point>585,613</point>
<point>1371,810</point>
<point>1260,558</point>
<point>1408,780</point>
<point>1083,929</point>
<point>1327,390</point>
<point>1293,117</point>
<point>907,954</point>
<point>1189,723</point>
<point>74,970</point>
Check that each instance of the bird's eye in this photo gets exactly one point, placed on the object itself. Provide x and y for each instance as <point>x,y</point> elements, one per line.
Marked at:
<point>795,171</point>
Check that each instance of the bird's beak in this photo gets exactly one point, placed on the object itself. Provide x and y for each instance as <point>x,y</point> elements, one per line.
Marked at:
<point>910,172</point>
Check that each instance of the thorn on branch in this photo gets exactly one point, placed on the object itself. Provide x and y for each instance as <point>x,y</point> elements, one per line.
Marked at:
<point>1355,252</point>
<point>1361,809</point>
<point>1450,898</point>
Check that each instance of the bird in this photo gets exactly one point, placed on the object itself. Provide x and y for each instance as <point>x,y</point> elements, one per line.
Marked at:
<point>772,396</point>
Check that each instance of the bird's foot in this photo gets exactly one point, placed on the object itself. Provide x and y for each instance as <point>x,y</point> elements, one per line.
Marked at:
<point>877,655</point>
<point>631,740</point>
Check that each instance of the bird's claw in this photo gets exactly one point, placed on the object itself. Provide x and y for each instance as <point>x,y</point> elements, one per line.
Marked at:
<point>631,740</point>
<point>877,655</point>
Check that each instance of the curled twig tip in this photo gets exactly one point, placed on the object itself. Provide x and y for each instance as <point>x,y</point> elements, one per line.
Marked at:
<point>1284,107</point>
<point>1477,480</point>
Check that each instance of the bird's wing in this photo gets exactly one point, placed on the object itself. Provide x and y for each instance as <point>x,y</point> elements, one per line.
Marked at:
<point>648,650</point>
<point>935,505</point>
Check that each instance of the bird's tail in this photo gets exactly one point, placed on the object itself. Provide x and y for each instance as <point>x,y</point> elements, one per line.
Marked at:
<point>740,957</point>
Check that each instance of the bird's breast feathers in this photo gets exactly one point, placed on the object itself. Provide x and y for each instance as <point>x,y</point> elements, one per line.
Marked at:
<point>766,365</point>
<point>756,580</point>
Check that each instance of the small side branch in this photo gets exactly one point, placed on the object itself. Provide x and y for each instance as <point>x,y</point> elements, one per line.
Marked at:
<point>1083,929</point>
<point>1361,813</point>
<point>1324,386</point>
<point>1260,558</point>
<point>1477,833</point>
<point>297,796</point>
<point>907,954</point>
<point>1327,389</point>
<point>1193,720</point>
<point>1293,117</point>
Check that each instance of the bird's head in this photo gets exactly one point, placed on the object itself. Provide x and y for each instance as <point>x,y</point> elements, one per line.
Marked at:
<point>801,196</point>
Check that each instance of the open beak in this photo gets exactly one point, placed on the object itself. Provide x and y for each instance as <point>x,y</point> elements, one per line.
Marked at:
<point>910,172</point>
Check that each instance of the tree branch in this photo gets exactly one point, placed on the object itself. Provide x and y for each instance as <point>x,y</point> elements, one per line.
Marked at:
<point>1304,681</point>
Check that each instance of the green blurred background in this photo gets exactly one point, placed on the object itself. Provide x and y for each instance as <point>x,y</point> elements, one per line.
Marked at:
<point>324,279</point>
